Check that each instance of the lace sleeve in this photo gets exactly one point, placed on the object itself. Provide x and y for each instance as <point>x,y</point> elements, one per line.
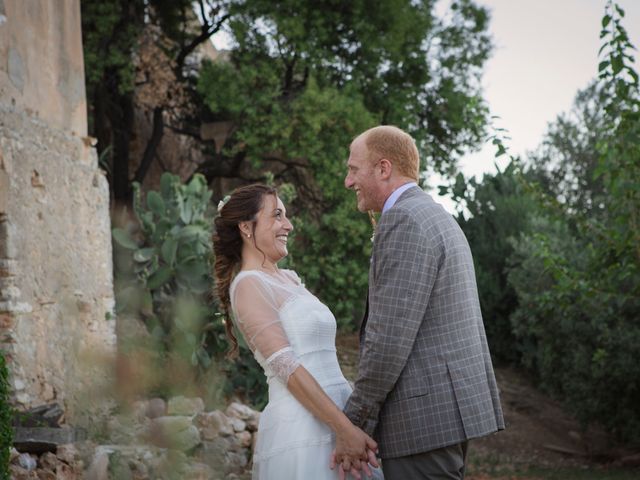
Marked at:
<point>256,313</point>
<point>283,363</point>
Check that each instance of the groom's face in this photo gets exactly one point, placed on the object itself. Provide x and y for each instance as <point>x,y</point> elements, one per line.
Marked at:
<point>361,177</point>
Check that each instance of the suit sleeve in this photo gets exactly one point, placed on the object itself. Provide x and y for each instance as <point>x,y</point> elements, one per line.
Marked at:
<point>404,273</point>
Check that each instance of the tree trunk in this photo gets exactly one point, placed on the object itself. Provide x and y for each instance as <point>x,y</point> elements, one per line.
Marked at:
<point>122,124</point>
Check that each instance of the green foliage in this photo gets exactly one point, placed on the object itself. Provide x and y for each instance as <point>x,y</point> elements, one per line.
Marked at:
<point>6,415</point>
<point>110,33</point>
<point>164,276</point>
<point>246,377</point>
<point>577,277</point>
<point>305,77</point>
<point>499,208</point>
<point>567,159</point>
<point>116,35</point>
<point>331,247</point>
<point>408,67</point>
<point>557,248</point>
<point>167,277</point>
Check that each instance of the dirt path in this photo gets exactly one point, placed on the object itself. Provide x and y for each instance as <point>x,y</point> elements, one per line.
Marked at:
<point>539,432</point>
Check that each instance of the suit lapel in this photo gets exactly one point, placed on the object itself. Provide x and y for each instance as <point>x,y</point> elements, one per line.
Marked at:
<point>365,317</point>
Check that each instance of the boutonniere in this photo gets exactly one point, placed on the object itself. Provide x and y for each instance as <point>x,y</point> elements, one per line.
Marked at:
<point>374,223</point>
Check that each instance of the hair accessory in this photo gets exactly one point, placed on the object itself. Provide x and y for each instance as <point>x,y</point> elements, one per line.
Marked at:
<point>223,202</point>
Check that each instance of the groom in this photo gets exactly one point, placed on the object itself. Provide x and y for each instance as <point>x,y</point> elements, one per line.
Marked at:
<point>425,383</point>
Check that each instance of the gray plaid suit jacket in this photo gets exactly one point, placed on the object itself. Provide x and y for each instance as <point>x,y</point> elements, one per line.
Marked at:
<point>425,378</point>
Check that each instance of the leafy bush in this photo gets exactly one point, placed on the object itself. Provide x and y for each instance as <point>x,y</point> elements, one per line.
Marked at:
<point>577,277</point>
<point>295,110</point>
<point>167,276</point>
<point>164,276</point>
<point>6,413</point>
<point>499,209</point>
<point>556,249</point>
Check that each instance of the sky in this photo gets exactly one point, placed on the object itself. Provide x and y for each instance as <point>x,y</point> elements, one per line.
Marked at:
<point>545,51</point>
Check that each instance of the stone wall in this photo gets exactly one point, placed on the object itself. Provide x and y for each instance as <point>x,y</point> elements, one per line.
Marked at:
<point>56,293</point>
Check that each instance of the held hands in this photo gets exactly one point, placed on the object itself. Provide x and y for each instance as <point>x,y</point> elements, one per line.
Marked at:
<point>356,466</point>
<point>354,451</point>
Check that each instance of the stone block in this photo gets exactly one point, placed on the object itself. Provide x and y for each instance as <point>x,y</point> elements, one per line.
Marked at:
<point>27,461</point>
<point>41,439</point>
<point>238,425</point>
<point>66,472</point>
<point>171,423</point>
<point>15,307</point>
<point>214,424</point>
<point>244,438</point>
<point>99,468</point>
<point>238,410</point>
<point>46,475</point>
<point>245,413</point>
<point>6,321</point>
<point>19,473</point>
<point>156,407</point>
<point>198,471</point>
<point>48,461</point>
<point>68,453</point>
<point>4,193</point>
<point>49,415</point>
<point>185,406</point>
<point>8,267</point>
<point>186,439</point>
<point>173,431</point>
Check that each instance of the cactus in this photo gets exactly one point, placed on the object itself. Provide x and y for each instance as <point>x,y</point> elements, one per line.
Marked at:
<point>169,263</point>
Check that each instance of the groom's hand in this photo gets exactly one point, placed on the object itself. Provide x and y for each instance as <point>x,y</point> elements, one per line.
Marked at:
<point>364,466</point>
<point>352,444</point>
<point>354,472</point>
<point>352,449</point>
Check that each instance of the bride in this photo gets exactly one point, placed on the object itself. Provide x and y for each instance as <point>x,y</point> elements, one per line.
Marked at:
<point>292,335</point>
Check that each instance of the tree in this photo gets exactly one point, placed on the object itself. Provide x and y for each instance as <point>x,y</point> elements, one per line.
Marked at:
<point>408,67</point>
<point>577,275</point>
<point>112,32</point>
<point>567,159</point>
<point>305,77</point>
<point>500,208</point>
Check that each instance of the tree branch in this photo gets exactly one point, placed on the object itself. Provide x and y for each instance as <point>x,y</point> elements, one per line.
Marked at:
<point>152,145</point>
<point>206,32</point>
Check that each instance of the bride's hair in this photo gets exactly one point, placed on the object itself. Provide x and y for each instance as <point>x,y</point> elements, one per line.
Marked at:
<point>243,206</point>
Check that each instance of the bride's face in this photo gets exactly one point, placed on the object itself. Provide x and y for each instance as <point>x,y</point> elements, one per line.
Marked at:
<point>272,229</point>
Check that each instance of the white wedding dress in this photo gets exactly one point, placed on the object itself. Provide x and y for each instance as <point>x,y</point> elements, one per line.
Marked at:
<point>286,326</point>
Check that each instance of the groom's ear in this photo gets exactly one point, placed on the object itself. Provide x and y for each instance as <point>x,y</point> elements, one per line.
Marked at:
<point>386,168</point>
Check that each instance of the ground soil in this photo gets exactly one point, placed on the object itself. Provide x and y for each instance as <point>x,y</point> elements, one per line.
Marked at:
<point>539,433</point>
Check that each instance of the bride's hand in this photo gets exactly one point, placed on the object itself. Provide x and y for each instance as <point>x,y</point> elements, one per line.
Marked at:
<point>352,445</point>
<point>356,465</point>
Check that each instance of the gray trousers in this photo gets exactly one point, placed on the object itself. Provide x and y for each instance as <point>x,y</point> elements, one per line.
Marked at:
<point>447,463</point>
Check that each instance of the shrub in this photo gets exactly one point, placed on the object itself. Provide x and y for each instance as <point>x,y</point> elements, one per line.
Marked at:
<point>6,414</point>
<point>164,277</point>
<point>578,276</point>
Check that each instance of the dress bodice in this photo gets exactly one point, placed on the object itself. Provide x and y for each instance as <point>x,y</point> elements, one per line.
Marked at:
<point>308,324</point>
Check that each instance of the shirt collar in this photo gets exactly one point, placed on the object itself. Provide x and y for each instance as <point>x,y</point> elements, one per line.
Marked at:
<point>393,198</point>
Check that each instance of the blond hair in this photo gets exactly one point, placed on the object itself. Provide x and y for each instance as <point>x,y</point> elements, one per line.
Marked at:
<point>395,145</point>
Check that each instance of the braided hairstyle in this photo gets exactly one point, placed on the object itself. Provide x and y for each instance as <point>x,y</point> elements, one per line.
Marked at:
<point>243,206</point>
